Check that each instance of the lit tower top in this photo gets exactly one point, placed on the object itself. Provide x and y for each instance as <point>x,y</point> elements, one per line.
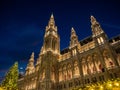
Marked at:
<point>51,37</point>
<point>30,67</point>
<point>51,24</point>
<point>96,28</point>
<point>73,38</point>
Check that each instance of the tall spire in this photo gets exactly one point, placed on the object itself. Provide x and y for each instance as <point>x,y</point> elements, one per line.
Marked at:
<point>73,38</point>
<point>96,28</point>
<point>30,67</point>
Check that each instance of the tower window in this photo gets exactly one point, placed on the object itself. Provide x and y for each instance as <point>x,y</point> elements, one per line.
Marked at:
<point>100,40</point>
<point>74,52</point>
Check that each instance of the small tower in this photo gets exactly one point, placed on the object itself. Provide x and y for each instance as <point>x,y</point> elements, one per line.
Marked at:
<point>51,37</point>
<point>73,38</point>
<point>96,28</point>
<point>74,43</point>
<point>30,67</point>
<point>98,32</point>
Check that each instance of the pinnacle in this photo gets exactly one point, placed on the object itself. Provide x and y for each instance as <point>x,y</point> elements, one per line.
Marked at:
<point>92,18</point>
<point>52,16</point>
<point>32,55</point>
<point>72,29</point>
<point>51,21</point>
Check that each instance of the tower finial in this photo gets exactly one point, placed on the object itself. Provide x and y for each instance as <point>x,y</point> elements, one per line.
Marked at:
<point>51,21</point>
<point>72,30</point>
<point>96,28</point>
<point>92,18</point>
<point>52,16</point>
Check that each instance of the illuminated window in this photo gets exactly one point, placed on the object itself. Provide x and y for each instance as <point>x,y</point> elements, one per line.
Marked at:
<point>74,52</point>
<point>100,40</point>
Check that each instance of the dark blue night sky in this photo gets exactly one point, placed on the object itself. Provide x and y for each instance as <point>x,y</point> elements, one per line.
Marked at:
<point>22,25</point>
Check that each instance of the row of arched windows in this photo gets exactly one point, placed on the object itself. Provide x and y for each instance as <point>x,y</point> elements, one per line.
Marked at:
<point>90,65</point>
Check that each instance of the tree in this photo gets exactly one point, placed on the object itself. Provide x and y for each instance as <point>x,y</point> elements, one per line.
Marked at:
<point>11,78</point>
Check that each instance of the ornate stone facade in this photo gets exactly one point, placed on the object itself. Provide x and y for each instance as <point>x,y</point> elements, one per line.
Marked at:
<point>94,59</point>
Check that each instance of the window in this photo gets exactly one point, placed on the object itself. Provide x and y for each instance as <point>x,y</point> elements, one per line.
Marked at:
<point>100,40</point>
<point>74,52</point>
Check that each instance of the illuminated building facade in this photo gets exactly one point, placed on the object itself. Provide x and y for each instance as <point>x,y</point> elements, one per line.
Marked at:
<point>94,59</point>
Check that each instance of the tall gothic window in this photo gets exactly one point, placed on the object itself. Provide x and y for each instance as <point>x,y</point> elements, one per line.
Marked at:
<point>108,61</point>
<point>53,74</point>
<point>69,75</point>
<point>76,69</point>
<point>60,74</point>
<point>64,73</point>
<point>90,65</point>
<point>84,66</point>
<point>74,52</point>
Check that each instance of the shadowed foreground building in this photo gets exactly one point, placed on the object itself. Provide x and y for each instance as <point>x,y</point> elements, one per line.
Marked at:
<point>96,58</point>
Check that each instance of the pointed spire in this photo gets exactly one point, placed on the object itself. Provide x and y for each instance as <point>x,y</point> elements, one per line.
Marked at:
<point>52,16</point>
<point>32,57</point>
<point>93,19</point>
<point>96,28</point>
<point>73,33</point>
<point>30,67</point>
<point>73,38</point>
<point>72,30</point>
<point>51,21</point>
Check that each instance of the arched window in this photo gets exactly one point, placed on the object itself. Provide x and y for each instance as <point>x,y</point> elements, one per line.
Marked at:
<point>108,61</point>
<point>69,74</point>
<point>53,74</point>
<point>64,73</point>
<point>90,65</point>
<point>60,74</point>
<point>76,69</point>
<point>74,52</point>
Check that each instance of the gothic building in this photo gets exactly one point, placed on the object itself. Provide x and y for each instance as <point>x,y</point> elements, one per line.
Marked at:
<point>93,59</point>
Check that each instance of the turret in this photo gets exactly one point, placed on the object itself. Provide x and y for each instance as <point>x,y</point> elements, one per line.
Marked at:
<point>98,32</point>
<point>30,67</point>
<point>51,37</point>
<point>74,39</point>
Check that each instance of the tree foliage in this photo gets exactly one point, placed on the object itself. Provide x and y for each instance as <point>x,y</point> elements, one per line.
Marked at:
<point>113,84</point>
<point>11,78</point>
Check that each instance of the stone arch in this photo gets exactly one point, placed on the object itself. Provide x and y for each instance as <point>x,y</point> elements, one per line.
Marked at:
<point>76,71</point>
<point>64,70</point>
<point>97,62</point>
<point>53,73</point>
<point>60,74</point>
<point>69,71</point>
<point>90,64</point>
<point>84,66</point>
<point>108,60</point>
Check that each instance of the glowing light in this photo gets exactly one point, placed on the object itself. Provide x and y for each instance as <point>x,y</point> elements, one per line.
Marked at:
<point>101,87</point>
<point>116,84</point>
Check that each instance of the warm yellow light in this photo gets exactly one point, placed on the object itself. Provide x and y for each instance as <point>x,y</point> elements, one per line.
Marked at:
<point>101,87</point>
<point>116,84</point>
<point>110,85</point>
